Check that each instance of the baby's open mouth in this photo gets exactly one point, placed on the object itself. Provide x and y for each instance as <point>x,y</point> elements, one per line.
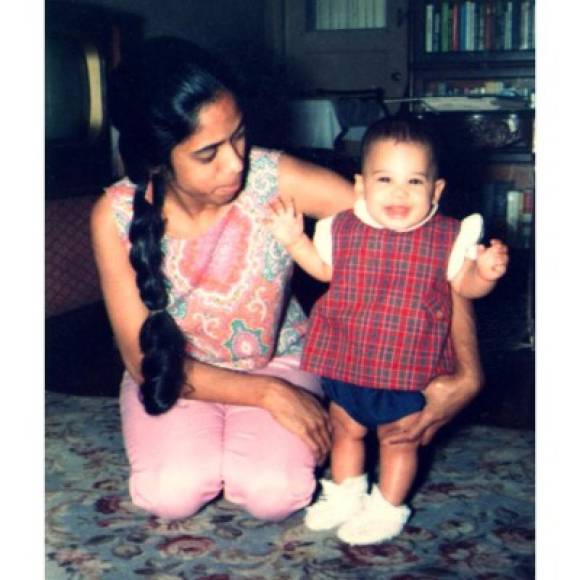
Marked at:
<point>397,211</point>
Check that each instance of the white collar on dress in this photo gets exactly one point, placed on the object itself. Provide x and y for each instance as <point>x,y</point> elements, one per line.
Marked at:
<point>361,212</point>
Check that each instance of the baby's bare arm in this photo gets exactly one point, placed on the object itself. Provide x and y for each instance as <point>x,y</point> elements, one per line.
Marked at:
<point>287,226</point>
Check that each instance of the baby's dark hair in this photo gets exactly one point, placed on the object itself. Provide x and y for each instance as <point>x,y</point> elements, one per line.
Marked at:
<point>409,130</point>
<point>154,101</point>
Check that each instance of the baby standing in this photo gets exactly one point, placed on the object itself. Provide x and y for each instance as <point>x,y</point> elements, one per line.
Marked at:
<point>381,332</point>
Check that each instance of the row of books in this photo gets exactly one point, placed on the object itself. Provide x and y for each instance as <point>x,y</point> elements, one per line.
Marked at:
<point>349,14</point>
<point>479,25</point>
<point>508,213</point>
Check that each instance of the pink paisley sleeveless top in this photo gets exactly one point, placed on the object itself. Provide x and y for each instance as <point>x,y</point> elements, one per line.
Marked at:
<point>229,288</point>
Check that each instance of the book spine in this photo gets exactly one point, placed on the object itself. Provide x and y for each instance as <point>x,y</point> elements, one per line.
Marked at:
<point>429,8</point>
<point>473,24</point>
<point>499,24</point>
<point>437,27</point>
<point>508,25</point>
<point>489,24</point>
<point>524,25</point>
<point>532,36</point>
<point>445,26</point>
<point>463,26</point>
<point>479,25</point>
<point>467,43</point>
<point>455,27</point>
<point>516,24</point>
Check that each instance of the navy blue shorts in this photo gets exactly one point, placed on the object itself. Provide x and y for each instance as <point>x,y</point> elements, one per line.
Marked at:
<point>372,407</point>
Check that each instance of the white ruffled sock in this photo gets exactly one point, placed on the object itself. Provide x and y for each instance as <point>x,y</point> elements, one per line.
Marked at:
<point>337,503</point>
<point>378,521</point>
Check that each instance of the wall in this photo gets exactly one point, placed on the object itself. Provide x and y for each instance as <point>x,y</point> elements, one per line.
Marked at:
<point>235,28</point>
<point>266,39</point>
<point>346,59</point>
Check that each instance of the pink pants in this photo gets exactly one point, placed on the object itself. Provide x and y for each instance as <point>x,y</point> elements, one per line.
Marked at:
<point>182,459</point>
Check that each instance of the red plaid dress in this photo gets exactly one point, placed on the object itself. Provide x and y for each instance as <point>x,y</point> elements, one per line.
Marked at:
<point>385,320</point>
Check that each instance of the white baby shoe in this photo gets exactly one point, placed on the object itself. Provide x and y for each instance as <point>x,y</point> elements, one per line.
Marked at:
<point>337,503</point>
<point>378,521</point>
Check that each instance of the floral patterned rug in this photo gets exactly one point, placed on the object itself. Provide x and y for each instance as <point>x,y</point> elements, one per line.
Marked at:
<point>473,515</point>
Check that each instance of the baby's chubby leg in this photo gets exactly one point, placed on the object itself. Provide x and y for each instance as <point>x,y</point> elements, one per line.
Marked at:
<point>384,515</point>
<point>342,497</point>
<point>398,462</point>
<point>348,452</point>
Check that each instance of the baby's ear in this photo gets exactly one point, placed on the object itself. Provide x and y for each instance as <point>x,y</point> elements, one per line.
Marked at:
<point>359,187</point>
<point>438,190</point>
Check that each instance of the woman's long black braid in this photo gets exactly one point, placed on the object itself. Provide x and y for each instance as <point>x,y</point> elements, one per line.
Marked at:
<point>154,102</point>
<point>160,338</point>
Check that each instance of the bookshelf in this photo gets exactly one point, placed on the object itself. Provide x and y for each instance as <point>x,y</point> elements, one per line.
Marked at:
<point>493,28</point>
<point>472,71</point>
<point>473,48</point>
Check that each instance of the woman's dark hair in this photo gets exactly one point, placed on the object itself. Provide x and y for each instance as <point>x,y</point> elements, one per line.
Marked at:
<point>154,100</point>
<point>408,130</point>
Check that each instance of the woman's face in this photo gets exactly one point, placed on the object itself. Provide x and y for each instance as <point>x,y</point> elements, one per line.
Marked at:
<point>208,166</point>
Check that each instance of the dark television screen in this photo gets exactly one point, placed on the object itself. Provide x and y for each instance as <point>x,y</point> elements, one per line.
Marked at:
<point>67,90</point>
<point>77,140</point>
<point>82,44</point>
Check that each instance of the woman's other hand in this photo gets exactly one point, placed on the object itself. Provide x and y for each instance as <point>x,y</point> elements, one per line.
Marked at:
<point>447,395</point>
<point>301,413</point>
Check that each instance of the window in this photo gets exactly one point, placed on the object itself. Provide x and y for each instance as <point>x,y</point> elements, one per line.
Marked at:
<point>347,14</point>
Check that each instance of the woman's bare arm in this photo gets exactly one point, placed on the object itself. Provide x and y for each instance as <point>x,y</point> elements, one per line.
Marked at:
<point>316,191</point>
<point>119,286</point>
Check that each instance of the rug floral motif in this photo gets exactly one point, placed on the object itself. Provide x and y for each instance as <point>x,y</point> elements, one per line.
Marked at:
<point>473,516</point>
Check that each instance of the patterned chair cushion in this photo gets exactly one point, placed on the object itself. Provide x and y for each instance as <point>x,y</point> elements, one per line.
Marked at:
<point>71,278</point>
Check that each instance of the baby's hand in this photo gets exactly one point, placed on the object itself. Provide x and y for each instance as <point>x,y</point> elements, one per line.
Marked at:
<point>285,223</point>
<point>492,262</point>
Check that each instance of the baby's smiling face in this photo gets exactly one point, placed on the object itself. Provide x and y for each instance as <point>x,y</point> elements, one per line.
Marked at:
<point>398,183</point>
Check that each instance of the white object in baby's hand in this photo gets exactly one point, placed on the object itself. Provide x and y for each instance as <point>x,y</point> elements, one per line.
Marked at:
<point>465,246</point>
